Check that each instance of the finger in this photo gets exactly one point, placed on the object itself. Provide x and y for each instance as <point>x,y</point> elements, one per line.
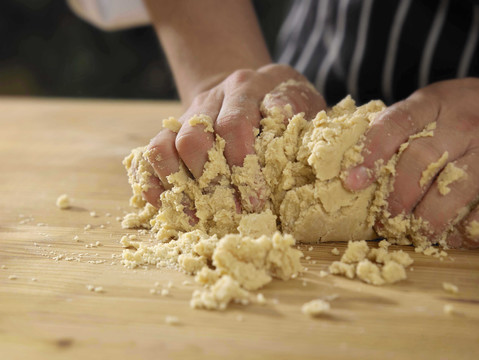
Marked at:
<point>442,209</point>
<point>196,136</point>
<point>236,124</point>
<point>300,95</point>
<point>238,118</point>
<point>389,130</point>
<point>162,155</point>
<point>153,192</point>
<point>417,167</point>
<point>466,234</point>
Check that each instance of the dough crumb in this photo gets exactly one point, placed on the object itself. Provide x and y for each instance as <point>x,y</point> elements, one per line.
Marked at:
<point>260,299</point>
<point>323,273</point>
<point>172,320</point>
<point>93,214</point>
<point>171,124</point>
<point>93,288</point>
<point>335,251</point>
<point>12,277</point>
<point>63,202</point>
<point>316,308</point>
<point>449,309</point>
<point>450,288</point>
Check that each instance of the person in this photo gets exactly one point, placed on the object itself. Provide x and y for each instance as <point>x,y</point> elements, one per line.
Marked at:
<point>421,57</point>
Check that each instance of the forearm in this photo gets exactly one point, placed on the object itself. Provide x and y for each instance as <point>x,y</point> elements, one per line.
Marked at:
<point>206,40</point>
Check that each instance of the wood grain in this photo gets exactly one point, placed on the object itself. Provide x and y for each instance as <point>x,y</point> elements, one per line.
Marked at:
<point>50,147</point>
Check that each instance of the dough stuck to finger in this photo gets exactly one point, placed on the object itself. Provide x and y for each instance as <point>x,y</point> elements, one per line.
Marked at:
<point>171,124</point>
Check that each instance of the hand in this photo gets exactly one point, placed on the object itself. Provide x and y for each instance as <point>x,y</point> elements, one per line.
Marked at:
<point>454,106</point>
<point>234,107</point>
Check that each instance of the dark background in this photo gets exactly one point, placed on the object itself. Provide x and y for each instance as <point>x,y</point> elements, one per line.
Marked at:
<point>45,50</point>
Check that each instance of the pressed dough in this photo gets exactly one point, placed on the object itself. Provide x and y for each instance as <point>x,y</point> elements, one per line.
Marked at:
<point>296,176</point>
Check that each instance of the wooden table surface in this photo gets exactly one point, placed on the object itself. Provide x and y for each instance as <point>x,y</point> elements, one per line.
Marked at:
<point>51,147</point>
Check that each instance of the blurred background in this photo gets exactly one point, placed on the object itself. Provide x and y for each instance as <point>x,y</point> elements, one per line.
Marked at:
<point>46,50</point>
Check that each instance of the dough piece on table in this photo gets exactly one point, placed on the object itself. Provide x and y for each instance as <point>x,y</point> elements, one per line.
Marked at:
<point>316,308</point>
<point>63,202</point>
<point>450,288</point>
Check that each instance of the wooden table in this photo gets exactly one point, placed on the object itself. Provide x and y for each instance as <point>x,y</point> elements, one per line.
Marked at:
<point>50,147</point>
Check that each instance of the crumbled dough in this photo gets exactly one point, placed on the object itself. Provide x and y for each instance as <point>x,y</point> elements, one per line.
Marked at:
<point>316,308</point>
<point>393,272</point>
<point>291,189</point>
<point>369,272</point>
<point>218,296</point>
<point>171,124</point>
<point>447,176</point>
<point>376,266</point>
<point>433,169</point>
<point>450,288</point>
<point>12,277</point>
<point>355,252</point>
<point>63,202</point>
<point>340,268</point>
<point>240,263</point>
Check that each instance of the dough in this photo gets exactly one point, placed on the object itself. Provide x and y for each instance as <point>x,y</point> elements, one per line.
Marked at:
<point>297,171</point>
<point>450,288</point>
<point>376,266</point>
<point>63,202</point>
<point>316,308</point>
<point>447,176</point>
<point>433,169</point>
<point>295,182</point>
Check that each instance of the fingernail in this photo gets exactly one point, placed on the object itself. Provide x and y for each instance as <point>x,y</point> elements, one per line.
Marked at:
<point>358,178</point>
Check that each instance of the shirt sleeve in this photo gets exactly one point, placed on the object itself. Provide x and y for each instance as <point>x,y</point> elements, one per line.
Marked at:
<point>111,15</point>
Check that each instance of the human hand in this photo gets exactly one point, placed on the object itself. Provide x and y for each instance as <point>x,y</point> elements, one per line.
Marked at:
<point>454,106</point>
<point>234,107</point>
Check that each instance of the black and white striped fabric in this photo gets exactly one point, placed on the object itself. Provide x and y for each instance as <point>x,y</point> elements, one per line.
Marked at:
<point>380,49</point>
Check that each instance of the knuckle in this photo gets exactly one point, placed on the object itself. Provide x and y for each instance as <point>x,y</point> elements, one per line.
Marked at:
<point>397,120</point>
<point>229,123</point>
<point>160,147</point>
<point>241,77</point>
<point>420,153</point>
<point>190,142</point>
<point>199,99</point>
